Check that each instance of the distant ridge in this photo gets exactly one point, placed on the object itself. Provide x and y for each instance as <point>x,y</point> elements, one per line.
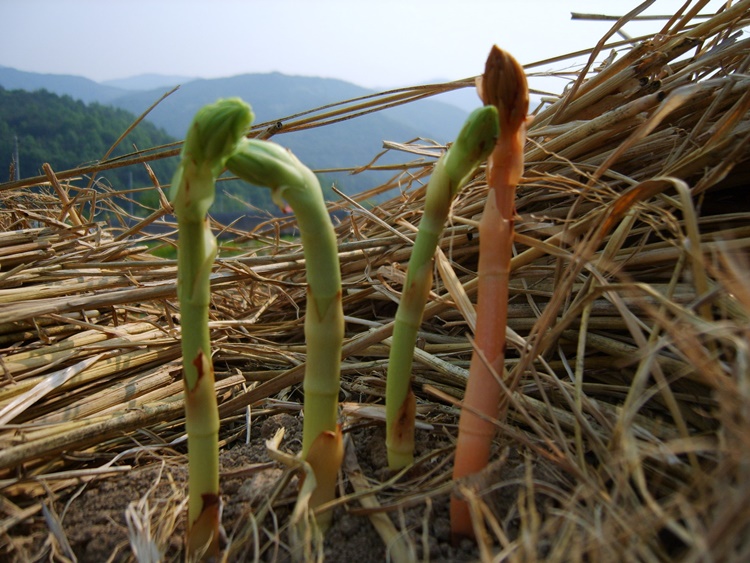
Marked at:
<point>76,87</point>
<point>147,81</point>
<point>273,96</point>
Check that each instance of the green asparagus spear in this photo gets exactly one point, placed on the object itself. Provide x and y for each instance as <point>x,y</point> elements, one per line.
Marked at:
<point>475,141</point>
<point>212,137</point>
<point>264,163</point>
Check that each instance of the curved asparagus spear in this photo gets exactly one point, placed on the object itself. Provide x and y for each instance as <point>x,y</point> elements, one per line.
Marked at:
<point>475,141</point>
<point>212,137</point>
<point>503,86</point>
<point>264,163</point>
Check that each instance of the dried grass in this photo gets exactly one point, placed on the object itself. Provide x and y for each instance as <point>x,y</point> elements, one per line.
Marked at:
<point>628,375</point>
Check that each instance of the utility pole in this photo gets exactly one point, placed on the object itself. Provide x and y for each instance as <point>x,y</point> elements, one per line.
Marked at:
<point>16,162</point>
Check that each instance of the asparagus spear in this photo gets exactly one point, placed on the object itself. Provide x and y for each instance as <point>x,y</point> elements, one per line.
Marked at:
<point>212,137</point>
<point>264,163</point>
<point>452,171</point>
<point>503,86</point>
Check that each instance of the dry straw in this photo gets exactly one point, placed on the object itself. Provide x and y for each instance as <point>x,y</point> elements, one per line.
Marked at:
<point>627,426</point>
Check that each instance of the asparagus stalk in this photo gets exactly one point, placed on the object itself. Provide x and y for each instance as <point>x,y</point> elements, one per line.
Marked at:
<point>503,86</point>
<point>475,141</point>
<point>264,163</point>
<point>212,137</point>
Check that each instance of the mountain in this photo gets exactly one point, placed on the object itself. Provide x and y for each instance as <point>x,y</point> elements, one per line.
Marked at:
<point>273,97</point>
<point>76,87</point>
<point>147,82</point>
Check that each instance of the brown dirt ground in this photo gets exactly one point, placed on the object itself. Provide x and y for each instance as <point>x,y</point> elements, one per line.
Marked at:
<point>94,522</point>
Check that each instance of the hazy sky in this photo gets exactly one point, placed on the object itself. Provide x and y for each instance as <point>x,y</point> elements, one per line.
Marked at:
<point>375,44</point>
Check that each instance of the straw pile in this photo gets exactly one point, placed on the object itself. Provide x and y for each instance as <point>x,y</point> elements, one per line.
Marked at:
<point>628,373</point>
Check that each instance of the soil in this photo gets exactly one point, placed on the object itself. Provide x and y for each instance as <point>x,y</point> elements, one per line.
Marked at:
<point>95,520</point>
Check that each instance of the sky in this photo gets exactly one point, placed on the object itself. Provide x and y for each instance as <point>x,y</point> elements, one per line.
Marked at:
<point>373,43</point>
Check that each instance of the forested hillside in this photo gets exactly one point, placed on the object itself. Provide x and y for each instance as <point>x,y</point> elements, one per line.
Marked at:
<point>68,133</point>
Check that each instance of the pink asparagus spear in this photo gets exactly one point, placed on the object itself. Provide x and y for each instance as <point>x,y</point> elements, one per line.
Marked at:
<point>503,85</point>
